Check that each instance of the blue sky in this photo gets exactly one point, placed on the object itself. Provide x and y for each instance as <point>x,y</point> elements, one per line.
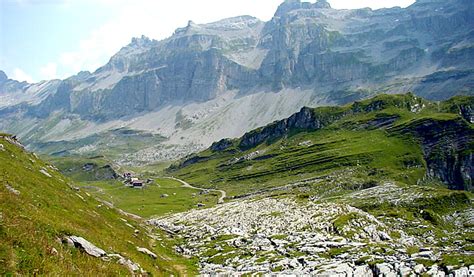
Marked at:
<point>46,39</point>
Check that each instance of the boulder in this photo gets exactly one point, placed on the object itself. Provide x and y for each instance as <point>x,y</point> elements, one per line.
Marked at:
<point>363,270</point>
<point>344,269</point>
<point>12,190</point>
<point>384,236</point>
<point>404,270</point>
<point>425,254</point>
<point>385,270</point>
<point>419,268</point>
<point>436,271</point>
<point>133,267</point>
<point>147,252</point>
<point>43,171</point>
<point>53,251</point>
<point>88,247</point>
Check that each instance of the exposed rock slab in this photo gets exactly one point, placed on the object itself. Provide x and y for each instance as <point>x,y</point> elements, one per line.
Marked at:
<point>88,247</point>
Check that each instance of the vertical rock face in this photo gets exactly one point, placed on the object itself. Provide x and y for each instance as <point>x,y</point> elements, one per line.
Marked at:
<point>331,56</point>
<point>426,48</point>
<point>447,151</point>
<point>306,119</point>
<point>447,143</point>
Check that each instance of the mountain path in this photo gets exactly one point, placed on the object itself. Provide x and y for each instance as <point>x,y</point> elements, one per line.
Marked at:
<point>187,185</point>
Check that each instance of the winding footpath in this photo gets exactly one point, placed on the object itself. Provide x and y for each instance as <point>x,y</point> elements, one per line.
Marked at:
<point>187,185</point>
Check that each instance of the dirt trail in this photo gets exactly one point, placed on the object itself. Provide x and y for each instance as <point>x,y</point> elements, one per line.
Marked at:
<point>187,185</point>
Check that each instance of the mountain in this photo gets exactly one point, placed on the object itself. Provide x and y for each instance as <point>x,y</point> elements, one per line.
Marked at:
<point>378,187</point>
<point>48,226</point>
<point>359,189</point>
<point>209,81</point>
<point>403,137</point>
<point>14,93</point>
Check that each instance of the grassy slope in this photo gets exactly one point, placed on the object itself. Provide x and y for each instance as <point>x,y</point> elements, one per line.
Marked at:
<point>350,142</point>
<point>72,167</point>
<point>148,201</point>
<point>293,162</point>
<point>47,209</point>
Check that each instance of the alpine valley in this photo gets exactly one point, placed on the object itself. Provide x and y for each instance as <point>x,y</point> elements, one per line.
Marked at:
<point>322,142</point>
<point>218,80</point>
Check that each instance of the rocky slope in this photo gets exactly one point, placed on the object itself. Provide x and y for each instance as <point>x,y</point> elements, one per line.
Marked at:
<point>291,236</point>
<point>378,187</point>
<point>205,76</point>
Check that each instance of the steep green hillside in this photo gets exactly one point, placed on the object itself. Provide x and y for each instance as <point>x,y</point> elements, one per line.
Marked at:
<point>390,137</point>
<point>40,208</point>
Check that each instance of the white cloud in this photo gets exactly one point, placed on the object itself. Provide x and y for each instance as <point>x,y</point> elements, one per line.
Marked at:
<point>49,71</point>
<point>155,19</point>
<point>20,75</point>
<point>158,19</point>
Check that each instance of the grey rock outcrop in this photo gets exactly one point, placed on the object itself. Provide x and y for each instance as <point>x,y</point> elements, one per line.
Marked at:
<point>132,266</point>
<point>88,247</point>
<point>91,249</point>
<point>306,119</point>
<point>446,147</point>
<point>147,252</point>
<point>268,236</point>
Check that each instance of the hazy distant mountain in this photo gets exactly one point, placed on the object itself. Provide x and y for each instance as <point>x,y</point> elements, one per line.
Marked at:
<point>222,79</point>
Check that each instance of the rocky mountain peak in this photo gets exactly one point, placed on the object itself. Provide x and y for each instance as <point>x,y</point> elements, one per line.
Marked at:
<point>290,5</point>
<point>233,23</point>
<point>322,4</point>
<point>142,41</point>
<point>81,76</point>
<point>3,76</point>
<point>185,30</point>
<point>191,24</point>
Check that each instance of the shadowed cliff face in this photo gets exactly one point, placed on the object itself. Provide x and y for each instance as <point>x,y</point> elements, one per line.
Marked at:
<point>306,119</point>
<point>446,147</point>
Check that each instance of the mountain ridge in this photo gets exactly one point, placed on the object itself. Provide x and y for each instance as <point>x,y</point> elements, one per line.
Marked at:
<point>443,132</point>
<point>311,52</point>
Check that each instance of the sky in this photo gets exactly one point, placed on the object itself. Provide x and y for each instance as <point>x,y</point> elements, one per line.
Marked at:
<point>55,39</point>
